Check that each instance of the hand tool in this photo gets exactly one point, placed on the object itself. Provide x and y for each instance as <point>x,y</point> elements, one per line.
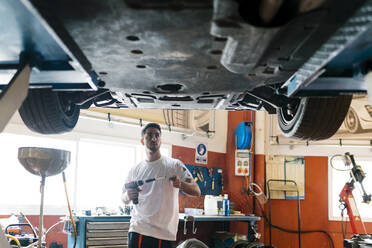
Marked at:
<point>195,175</point>
<point>136,184</point>
<point>200,174</point>
<point>211,175</point>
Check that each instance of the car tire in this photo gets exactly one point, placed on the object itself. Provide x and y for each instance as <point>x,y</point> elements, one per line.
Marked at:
<point>313,118</point>
<point>352,122</point>
<point>48,112</point>
<point>192,243</point>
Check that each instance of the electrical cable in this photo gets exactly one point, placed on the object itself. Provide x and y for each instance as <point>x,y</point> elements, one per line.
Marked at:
<point>295,231</point>
<point>32,227</point>
<point>50,228</point>
<point>165,118</point>
<point>345,159</point>
<point>172,114</point>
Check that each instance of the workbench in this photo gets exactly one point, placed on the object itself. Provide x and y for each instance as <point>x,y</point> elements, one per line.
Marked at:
<point>244,218</point>
<point>112,231</point>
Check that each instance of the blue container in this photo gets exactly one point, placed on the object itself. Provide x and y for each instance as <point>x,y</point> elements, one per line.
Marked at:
<point>225,206</point>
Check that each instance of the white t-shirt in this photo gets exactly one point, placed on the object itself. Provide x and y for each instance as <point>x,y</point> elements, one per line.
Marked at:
<point>156,213</point>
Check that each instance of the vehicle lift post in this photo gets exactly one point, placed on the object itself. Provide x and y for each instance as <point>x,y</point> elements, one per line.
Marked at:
<point>14,94</point>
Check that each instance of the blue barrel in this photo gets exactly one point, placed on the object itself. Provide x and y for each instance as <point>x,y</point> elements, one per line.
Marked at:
<point>243,135</point>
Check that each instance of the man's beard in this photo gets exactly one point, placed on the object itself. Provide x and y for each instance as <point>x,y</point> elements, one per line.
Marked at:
<point>153,149</point>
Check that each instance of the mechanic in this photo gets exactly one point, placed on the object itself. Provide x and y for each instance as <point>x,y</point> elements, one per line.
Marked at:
<point>154,220</point>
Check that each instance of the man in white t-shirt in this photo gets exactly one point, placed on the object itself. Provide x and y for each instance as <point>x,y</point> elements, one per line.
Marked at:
<point>154,220</point>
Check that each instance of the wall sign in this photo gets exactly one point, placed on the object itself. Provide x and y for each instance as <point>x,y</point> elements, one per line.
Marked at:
<point>201,154</point>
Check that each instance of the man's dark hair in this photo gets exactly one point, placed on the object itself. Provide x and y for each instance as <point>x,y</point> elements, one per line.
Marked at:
<point>153,125</point>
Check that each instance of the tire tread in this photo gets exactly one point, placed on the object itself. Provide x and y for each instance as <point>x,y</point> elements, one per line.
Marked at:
<point>42,113</point>
<point>320,118</point>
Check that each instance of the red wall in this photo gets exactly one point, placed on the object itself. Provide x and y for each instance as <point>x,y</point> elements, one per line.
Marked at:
<point>314,209</point>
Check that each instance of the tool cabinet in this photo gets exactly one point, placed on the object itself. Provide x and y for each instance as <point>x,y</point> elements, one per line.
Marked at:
<point>101,232</point>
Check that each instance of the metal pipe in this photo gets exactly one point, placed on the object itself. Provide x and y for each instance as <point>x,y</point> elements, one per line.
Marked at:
<point>32,227</point>
<point>124,121</point>
<point>269,191</point>
<point>42,186</point>
<point>212,123</point>
<point>299,216</point>
<point>333,143</point>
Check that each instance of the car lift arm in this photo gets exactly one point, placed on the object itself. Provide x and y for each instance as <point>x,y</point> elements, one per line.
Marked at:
<point>14,95</point>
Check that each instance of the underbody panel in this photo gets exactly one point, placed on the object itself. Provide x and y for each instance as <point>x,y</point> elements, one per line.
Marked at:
<point>175,54</point>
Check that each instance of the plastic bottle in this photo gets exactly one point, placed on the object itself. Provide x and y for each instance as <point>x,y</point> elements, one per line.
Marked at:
<point>225,206</point>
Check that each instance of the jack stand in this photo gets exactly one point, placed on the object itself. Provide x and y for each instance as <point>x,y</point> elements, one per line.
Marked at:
<point>14,95</point>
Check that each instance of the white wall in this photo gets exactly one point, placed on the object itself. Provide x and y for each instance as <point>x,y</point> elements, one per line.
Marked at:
<point>116,131</point>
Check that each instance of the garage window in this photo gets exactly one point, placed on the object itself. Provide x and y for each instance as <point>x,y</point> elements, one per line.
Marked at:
<point>337,180</point>
<point>20,190</point>
<point>95,175</point>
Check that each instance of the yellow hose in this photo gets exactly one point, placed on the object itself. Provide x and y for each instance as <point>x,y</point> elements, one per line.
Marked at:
<point>13,238</point>
<point>247,181</point>
<point>69,209</point>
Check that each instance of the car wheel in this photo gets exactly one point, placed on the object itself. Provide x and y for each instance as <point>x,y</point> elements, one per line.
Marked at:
<point>192,243</point>
<point>313,118</point>
<point>48,112</point>
<point>352,122</point>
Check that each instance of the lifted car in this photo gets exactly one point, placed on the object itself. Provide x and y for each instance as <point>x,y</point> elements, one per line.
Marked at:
<point>300,59</point>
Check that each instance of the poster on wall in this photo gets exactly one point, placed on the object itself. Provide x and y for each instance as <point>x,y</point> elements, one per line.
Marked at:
<point>201,154</point>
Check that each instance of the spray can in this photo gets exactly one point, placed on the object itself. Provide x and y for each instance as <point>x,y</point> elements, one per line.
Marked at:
<point>225,206</point>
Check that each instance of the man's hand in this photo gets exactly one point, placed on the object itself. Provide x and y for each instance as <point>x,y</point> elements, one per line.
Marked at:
<point>133,193</point>
<point>176,181</point>
<point>189,186</point>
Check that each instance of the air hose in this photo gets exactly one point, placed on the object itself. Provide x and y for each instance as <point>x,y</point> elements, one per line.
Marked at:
<point>69,209</point>
<point>296,231</point>
<point>13,238</point>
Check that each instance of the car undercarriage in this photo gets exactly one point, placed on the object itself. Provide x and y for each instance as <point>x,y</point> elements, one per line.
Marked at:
<point>301,60</point>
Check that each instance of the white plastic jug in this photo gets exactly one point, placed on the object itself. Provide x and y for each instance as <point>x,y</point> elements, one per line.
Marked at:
<point>210,205</point>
